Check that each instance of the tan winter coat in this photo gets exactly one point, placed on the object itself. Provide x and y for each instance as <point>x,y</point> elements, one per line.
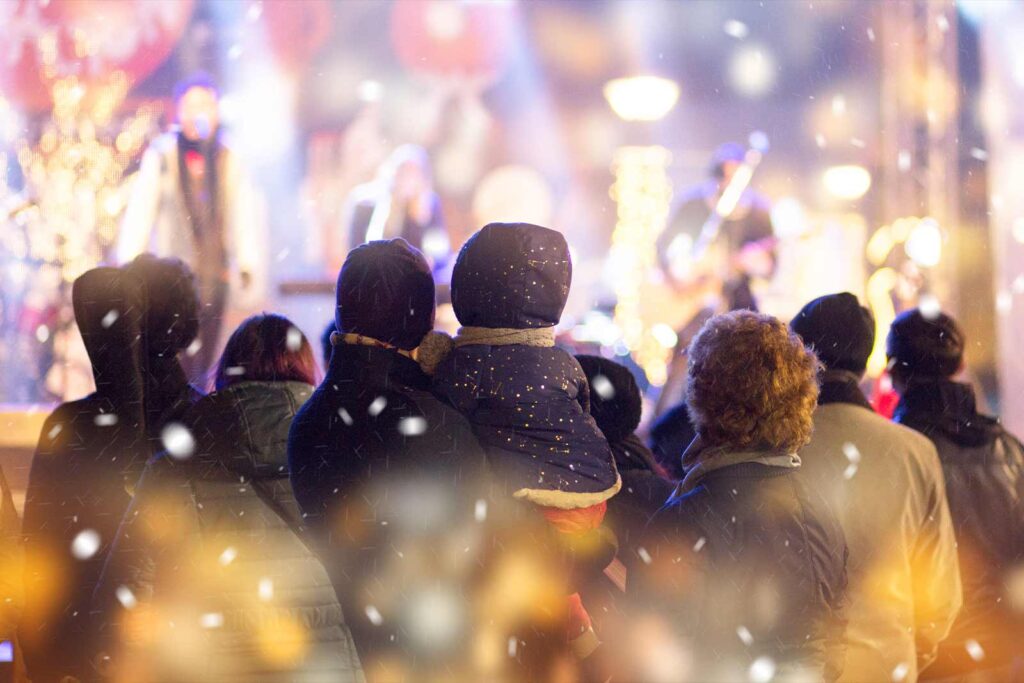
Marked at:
<point>886,486</point>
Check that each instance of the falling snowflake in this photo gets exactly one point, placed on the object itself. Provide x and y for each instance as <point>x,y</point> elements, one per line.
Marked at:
<point>234,371</point>
<point>974,649</point>
<point>126,597</point>
<point>701,542</point>
<point>480,510</point>
<point>900,672</point>
<point>105,420</point>
<point>265,590</point>
<point>745,635</point>
<point>513,646</point>
<point>194,347</point>
<point>293,340</point>
<point>761,670</point>
<point>85,544</point>
<point>374,615</point>
<point>411,426</point>
<point>735,28</point>
<point>644,555</point>
<point>110,318</point>
<point>178,440</point>
<point>211,620</point>
<point>54,431</point>
<point>228,556</point>
<point>377,406</point>
<point>345,417</point>
<point>602,386</point>
<point>929,306</point>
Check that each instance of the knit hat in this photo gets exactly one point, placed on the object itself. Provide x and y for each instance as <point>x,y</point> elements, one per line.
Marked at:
<point>615,402</point>
<point>925,346</point>
<point>839,329</point>
<point>511,275</point>
<point>386,291</point>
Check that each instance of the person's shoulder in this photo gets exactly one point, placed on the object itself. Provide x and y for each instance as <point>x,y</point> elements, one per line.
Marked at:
<point>61,428</point>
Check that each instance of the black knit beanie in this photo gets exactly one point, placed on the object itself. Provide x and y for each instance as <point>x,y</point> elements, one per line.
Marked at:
<point>615,402</point>
<point>839,329</point>
<point>386,291</point>
<point>923,346</point>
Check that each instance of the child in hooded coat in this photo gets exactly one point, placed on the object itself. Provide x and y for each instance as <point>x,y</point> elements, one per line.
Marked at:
<point>527,401</point>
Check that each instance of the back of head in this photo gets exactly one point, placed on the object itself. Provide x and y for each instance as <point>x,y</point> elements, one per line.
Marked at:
<point>266,348</point>
<point>385,291</point>
<point>751,383</point>
<point>839,330</point>
<point>172,303</point>
<point>512,275</point>
<point>109,306</point>
<point>924,347</point>
<point>615,401</point>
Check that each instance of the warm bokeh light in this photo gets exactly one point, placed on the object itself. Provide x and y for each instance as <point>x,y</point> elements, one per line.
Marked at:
<point>641,98</point>
<point>847,182</point>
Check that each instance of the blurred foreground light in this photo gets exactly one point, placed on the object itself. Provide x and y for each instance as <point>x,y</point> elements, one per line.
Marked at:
<point>846,182</point>
<point>924,243</point>
<point>752,71</point>
<point>641,98</point>
<point>762,670</point>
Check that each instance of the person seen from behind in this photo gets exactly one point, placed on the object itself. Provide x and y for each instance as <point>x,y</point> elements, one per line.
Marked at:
<point>743,571</point>
<point>983,466</point>
<point>885,483</point>
<point>212,576</point>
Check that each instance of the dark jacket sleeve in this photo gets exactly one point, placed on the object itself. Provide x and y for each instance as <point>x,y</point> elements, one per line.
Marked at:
<point>160,515</point>
<point>45,560</point>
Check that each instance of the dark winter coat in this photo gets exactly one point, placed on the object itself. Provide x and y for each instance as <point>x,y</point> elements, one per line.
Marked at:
<point>214,538</point>
<point>747,565</point>
<point>671,434</point>
<point>616,405</point>
<point>984,470</point>
<point>380,466</point>
<point>89,457</point>
<point>529,405</point>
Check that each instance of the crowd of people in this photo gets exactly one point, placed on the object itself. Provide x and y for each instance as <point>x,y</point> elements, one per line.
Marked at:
<point>482,508</point>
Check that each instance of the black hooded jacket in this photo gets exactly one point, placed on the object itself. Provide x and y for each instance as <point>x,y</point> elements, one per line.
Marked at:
<point>381,469</point>
<point>89,457</point>
<point>214,530</point>
<point>529,405</point>
<point>983,466</point>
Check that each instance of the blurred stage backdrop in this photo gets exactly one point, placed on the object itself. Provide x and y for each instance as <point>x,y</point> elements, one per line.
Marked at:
<point>892,138</point>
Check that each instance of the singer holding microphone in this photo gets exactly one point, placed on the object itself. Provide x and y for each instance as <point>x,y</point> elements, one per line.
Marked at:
<point>191,199</point>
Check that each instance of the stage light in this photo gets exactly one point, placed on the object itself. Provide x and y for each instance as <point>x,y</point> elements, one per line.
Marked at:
<point>789,219</point>
<point>846,182</point>
<point>641,98</point>
<point>752,71</point>
<point>924,243</point>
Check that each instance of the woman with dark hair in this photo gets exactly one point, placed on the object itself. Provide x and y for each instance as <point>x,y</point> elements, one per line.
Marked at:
<point>743,566</point>
<point>214,543</point>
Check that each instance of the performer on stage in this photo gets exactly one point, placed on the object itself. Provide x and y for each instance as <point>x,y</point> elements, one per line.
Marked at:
<point>745,239</point>
<point>400,202</point>
<point>191,199</point>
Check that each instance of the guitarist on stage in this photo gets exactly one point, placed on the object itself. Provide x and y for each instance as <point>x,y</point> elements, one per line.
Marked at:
<point>743,237</point>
